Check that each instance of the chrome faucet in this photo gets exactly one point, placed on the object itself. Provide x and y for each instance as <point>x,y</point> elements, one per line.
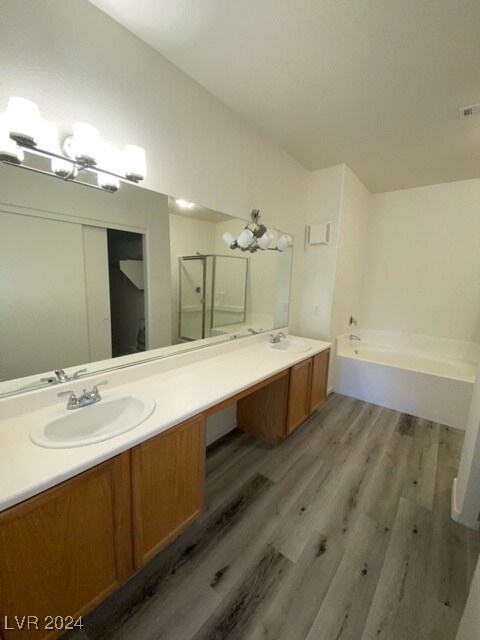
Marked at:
<point>87,397</point>
<point>354,337</point>
<point>276,337</point>
<point>61,376</point>
<point>253,331</point>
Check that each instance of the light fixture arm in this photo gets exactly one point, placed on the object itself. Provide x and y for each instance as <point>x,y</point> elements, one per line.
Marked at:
<point>76,164</point>
<point>50,174</point>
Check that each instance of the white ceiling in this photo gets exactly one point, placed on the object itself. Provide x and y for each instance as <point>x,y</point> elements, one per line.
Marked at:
<point>373,83</point>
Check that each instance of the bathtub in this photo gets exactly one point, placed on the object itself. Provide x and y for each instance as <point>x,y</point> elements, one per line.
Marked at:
<point>423,376</point>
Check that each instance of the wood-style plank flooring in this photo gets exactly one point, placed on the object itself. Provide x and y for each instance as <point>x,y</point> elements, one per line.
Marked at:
<point>342,532</point>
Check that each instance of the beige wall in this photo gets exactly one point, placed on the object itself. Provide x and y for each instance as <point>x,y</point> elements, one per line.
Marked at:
<point>324,202</point>
<point>354,234</point>
<point>423,261</point>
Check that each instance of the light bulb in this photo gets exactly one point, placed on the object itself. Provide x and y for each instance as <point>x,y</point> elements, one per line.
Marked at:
<point>24,121</point>
<point>107,182</point>
<point>63,168</point>
<point>48,140</point>
<point>110,160</point>
<point>9,150</point>
<point>245,239</point>
<point>229,239</point>
<point>85,143</point>
<point>135,162</point>
<point>265,240</point>
<point>283,242</point>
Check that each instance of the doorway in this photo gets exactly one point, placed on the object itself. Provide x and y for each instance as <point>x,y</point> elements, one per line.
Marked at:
<point>127,292</point>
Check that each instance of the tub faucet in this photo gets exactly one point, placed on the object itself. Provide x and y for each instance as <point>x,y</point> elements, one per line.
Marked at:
<point>354,337</point>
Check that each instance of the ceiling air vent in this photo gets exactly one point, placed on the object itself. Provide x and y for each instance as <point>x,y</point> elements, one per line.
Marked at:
<point>472,110</point>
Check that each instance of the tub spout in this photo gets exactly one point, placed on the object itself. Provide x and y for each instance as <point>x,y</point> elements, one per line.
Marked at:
<point>354,337</point>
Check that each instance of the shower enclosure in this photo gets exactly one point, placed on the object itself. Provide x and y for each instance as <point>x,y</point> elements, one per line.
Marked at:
<point>212,294</point>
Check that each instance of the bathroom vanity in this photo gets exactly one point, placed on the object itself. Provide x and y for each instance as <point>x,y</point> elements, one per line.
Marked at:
<point>75,524</point>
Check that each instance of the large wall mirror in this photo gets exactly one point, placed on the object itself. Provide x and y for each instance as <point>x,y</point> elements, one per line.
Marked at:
<point>95,280</point>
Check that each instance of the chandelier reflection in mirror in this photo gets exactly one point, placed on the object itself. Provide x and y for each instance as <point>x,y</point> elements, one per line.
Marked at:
<point>23,131</point>
<point>256,236</point>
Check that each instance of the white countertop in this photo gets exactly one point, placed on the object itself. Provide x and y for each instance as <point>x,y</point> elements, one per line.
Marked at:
<point>182,386</point>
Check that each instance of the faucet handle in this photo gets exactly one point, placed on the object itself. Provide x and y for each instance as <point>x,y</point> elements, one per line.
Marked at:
<point>72,402</point>
<point>66,393</point>
<point>77,374</point>
<point>95,389</point>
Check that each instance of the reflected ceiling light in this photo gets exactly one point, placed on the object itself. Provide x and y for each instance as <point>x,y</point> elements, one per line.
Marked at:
<point>22,130</point>
<point>265,240</point>
<point>255,236</point>
<point>245,239</point>
<point>185,204</point>
<point>284,242</point>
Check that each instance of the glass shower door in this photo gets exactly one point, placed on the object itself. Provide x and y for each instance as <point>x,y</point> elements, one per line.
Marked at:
<point>191,298</point>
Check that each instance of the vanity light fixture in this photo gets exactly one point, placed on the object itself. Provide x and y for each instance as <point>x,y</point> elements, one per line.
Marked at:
<point>23,130</point>
<point>184,203</point>
<point>255,236</point>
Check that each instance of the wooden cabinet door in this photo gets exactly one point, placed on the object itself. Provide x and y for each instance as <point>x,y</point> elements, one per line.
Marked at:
<point>67,549</point>
<point>318,388</point>
<point>299,394</point>
<point>168,486</point>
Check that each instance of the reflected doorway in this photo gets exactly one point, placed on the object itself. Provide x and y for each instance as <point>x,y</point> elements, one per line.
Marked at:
<point>126,270</point>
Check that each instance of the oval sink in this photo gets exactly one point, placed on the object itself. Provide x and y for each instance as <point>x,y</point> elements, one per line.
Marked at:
<point>294,346</point>
<point>105,419</point>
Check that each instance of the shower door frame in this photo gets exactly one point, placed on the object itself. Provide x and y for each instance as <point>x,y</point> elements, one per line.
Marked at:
<point>204,285</point>
<point>203,258</point>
